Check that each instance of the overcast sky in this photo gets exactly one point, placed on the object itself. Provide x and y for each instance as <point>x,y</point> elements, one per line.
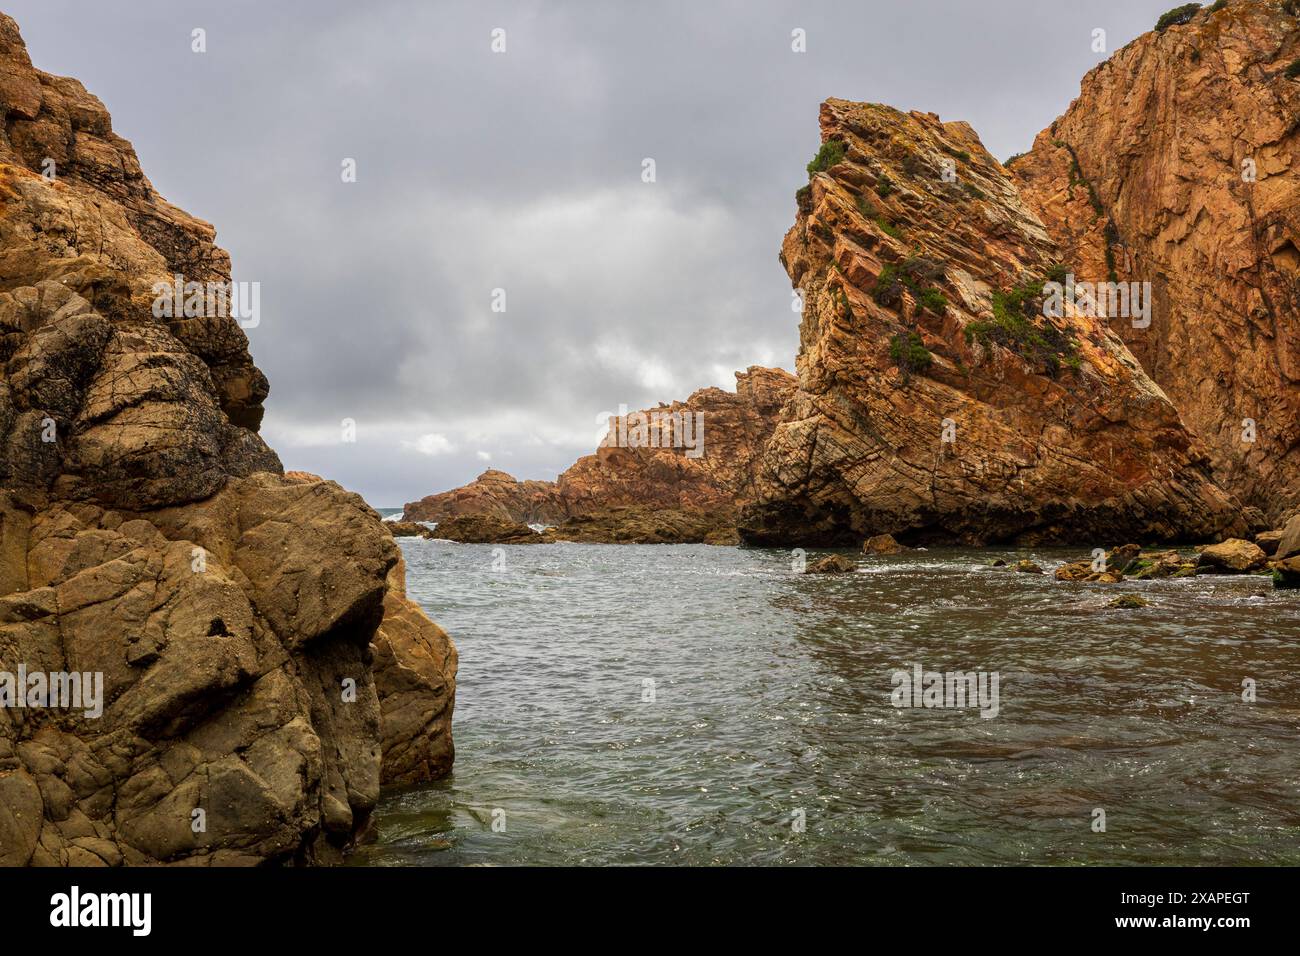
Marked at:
<point>522,171</point>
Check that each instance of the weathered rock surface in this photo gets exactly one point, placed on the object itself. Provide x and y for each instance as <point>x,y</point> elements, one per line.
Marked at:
<point>485,529</point>
<point>935,402</point>
<point>1178,165</point>
<point>641,525</point>
<point>1234,556</point>
<point>262,672</point>
<point>882,544</point>
<point>831,564</point>
<point>625,473</point>
<point>408,529</point>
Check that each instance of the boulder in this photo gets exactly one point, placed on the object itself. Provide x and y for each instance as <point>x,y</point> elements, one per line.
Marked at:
<point>1288,545</point>
<point>1234,556</point>
<point>882,544</point>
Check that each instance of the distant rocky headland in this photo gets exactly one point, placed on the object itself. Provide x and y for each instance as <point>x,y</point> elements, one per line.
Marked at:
<point>262,672</point>
<point>941,398</point>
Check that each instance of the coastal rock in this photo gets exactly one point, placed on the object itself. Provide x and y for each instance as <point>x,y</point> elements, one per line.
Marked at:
<point>415,676</point>
<point>882,544</point>
<point>831,564</point>
<point>231,615</point>
<point>1175,165</point>
<point>1286,573</point>
<point>1288,545</point>
<point>493,494</point>
<point>627,471</point>
<point>1234,556</point>
<point>935,401</point>
<point>1028,567</point>
<point>1128,601</point>
<point>1268,541</point>
<point>639,525</point>
<point>485,529</point>
<point>409,529</point>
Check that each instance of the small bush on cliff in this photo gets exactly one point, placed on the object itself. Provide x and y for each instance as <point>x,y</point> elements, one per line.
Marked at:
<point>1177,16</point>
<point>957,153</point>
<point>914,274</point>
<point>832,153</point>
<point>933,300</point>
<point>909,353</point>
<point>1293,69</point>
<point>884,187</point>
<point>1012,158</point>
<point>1013,327</point>
<point>803,199</point>
<point>872,214</point>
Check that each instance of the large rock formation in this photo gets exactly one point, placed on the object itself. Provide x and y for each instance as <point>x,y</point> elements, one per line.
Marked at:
<point>625,473</point>
<point>935,400</point>
<point>1178,165</point>
<point>261,670</point>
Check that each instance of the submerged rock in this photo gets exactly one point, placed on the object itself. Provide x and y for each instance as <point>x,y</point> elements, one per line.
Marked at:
<point>1128,601</point>
<point>831,564</point>
<point>1028,567</point>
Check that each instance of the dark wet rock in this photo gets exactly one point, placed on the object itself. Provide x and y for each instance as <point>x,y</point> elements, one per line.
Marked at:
<point>638,525</point>
<point>882,544</point>
<point>485,529</point>
<point>831,564</point>
<point>408,529</point>
<point>1268,541</point>
<point>1286,573</point>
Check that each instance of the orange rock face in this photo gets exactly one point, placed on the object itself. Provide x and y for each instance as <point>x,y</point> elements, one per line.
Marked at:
<point>735,427</point>
<point>255,656</point>
<point>1179,164</point>
<point>935,400</point>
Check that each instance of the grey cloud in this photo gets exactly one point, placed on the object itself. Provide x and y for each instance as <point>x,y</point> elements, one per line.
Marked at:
<point>523,171</point>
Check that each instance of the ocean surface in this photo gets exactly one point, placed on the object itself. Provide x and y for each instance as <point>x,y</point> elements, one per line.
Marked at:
<point>686,704</point>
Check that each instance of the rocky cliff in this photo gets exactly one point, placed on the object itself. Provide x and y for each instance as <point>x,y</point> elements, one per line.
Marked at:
<point>937,399</point>
<point>260,670</point>
<point>625,471</point>
<point>1178,165</point>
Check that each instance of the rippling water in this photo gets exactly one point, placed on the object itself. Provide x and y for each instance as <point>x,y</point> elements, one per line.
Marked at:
<point>772,695</point>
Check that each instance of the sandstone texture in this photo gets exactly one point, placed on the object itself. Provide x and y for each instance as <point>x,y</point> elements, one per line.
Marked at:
<point>935,400</point>
<point>262,671</point>
<point>1179,165</point>
<point>736,426</point>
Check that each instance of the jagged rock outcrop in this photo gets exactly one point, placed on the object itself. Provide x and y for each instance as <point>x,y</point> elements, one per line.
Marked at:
<point>626,474</point>
<point>935,399</point>
<point>261,670</point>
<point>1179,165</point>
